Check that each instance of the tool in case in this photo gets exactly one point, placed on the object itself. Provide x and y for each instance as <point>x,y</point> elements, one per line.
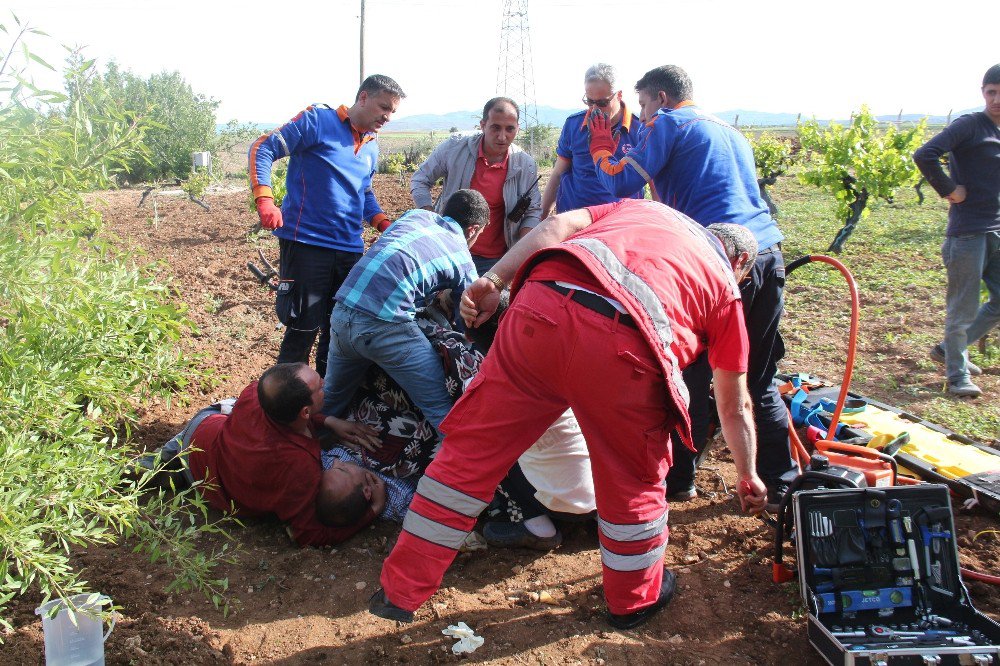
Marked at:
<point>879,574</point>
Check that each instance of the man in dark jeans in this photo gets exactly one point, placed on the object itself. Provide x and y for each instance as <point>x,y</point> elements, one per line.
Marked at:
<point>704,168</point>
<point>328,195</point>
<point>971,249</point>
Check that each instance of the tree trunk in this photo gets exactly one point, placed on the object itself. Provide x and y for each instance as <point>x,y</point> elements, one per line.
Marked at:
<point>857,207</point>
<point>763,183</point>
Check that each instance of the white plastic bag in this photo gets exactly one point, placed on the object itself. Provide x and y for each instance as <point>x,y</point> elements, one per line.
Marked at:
<point>468,641</point>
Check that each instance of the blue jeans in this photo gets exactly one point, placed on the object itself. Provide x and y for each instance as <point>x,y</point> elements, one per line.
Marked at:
<point>179,443</point>
<point>969,259</point>
<point>358,339</point>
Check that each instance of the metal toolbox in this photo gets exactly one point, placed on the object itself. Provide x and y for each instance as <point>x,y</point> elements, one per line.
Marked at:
<point>879,575</point>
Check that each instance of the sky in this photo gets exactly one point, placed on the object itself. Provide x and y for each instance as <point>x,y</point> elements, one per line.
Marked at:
<point>264,61</point>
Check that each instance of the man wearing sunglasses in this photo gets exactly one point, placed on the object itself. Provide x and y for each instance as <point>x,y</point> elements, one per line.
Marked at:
<point>573,183</point>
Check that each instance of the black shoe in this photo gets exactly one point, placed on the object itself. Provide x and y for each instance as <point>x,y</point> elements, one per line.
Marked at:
<point>381,606</point>
<point>516,535</point>
<point>635,618</point>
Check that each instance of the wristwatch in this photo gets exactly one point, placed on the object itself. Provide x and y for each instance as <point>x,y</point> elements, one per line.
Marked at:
<point>495,279</point>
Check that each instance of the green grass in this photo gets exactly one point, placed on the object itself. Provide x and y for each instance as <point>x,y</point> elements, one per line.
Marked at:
<point>894,256</point>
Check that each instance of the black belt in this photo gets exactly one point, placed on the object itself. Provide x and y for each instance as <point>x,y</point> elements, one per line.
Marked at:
<point>593,302</point>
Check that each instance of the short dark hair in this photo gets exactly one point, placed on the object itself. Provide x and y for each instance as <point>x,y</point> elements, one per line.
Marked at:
<point>282,393</point>
<point>992,75</point>
<point>671,79</point>
<point>332,511</point>
<point>468,208</point>
<point>496,101</point>
<point>377,83</point>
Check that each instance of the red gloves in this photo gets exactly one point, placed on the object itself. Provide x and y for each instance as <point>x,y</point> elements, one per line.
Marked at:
<point>270,215</point>
<point>602,143</point>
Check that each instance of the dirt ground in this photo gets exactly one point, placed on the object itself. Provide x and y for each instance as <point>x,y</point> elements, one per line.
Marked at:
<point>300,606</point>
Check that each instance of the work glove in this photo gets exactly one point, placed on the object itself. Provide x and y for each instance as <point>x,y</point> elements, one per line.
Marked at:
<point>602,143</point>
<point>270,215</point>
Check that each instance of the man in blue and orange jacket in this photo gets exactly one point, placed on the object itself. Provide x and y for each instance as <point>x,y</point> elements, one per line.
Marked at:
<point>333,155</point>
<point>704,168</point>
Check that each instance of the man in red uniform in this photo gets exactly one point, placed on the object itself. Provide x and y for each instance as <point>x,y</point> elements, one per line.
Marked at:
<point>609,305</point>
<point>263,459</point>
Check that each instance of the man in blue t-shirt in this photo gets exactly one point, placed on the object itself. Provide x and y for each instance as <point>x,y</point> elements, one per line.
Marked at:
<point>573,182</point>
<point>333,155</point>
<point>971,250</point>
<point>703,167</point>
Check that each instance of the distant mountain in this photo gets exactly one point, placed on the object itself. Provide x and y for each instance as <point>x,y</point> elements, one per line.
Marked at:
<point>466,120</point>
<point>548,115</point>
<point>262,127</point>
<point>757,118</point>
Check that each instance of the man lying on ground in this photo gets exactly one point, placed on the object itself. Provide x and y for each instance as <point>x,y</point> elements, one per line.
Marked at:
<point>260,456</point>
<point>552,478</point>
<point>406,441</point>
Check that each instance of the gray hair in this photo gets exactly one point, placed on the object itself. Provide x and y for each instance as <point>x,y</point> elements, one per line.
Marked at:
<point>735,238</point>
<point>600,72</point>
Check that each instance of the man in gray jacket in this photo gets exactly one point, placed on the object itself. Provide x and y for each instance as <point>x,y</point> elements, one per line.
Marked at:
<point>490,163</point>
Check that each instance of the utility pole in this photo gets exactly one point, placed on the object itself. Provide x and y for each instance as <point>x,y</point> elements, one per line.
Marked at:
<point>515,71</point>
<point>361,59</point>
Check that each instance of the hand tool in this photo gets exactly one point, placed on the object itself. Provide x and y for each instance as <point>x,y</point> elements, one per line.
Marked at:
<point>911,547</point>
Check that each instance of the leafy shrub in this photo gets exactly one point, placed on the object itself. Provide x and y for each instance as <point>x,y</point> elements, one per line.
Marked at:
<point>772,155</point>
<point>279,170</point>
<point>393,164</point>
<point>197,184</point>
<point>177,121</point>
<point>859,162</point>
<point>540,141</point>
<point>85,334</point>
<point>409,158</point>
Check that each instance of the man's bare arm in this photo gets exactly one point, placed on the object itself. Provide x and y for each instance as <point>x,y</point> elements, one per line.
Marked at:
<point>736,414</point>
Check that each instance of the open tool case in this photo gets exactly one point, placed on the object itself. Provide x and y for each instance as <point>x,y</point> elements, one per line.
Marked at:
<point>879,575</point>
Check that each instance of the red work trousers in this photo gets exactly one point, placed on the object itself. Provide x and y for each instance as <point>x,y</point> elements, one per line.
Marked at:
<point>550,353</point>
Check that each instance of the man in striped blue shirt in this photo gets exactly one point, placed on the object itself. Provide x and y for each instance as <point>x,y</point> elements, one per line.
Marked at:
<point>420,254</point>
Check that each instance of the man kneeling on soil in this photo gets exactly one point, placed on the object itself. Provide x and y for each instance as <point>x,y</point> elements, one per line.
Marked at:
<point>260,456</point>
<point>420,255</point>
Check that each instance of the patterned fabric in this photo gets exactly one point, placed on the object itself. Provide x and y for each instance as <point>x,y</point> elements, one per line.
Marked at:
<point>408,440</point>
<point>398,492</point>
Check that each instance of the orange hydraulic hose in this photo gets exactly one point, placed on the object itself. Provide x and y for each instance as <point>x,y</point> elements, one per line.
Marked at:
<point>852,346</point>
<point>986,578</point>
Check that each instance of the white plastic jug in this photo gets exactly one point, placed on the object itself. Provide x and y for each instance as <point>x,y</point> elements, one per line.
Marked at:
<point>81,644</point>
